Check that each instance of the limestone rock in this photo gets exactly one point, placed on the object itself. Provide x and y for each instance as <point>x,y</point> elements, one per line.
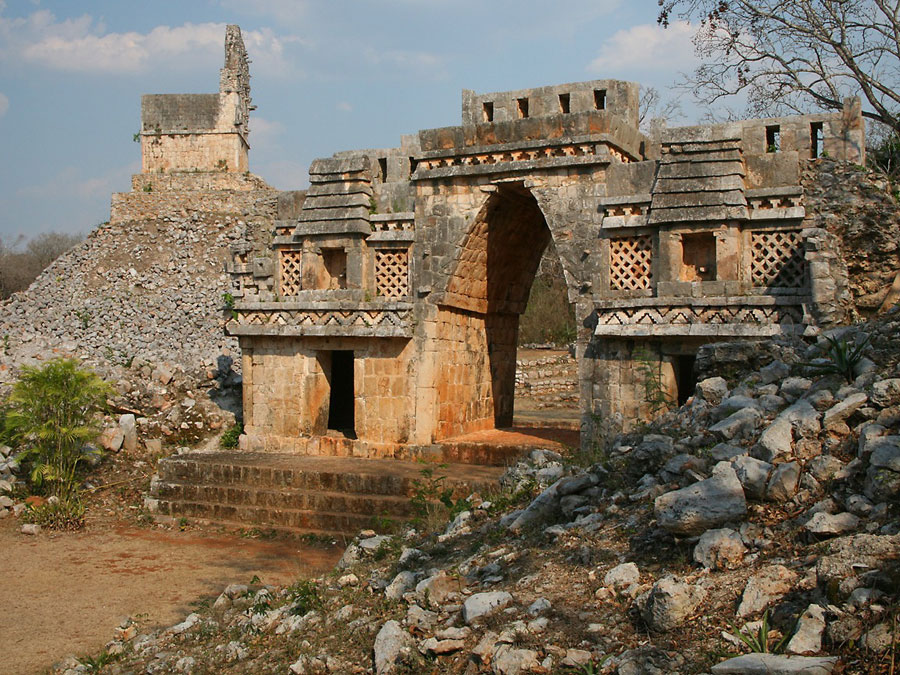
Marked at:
<point>622,576</point>
<point>128,426</point>
<point>508,660</point>
<point>670,602</point>
<point>841,410</point>
<point>712,389</point>
<point>794,387</point>
<point>765,587</point>
<point>738,424</point>
<point>807,639</point>
<point>753,474</point>
<point>481,604</point>
<point>777,439</point>
<point>776,664</point>
<point>854,554</point>
<point>703,505</point>
<point>720,549</point>
<point>783,482</point>
<point>886,393</point>
<point>404,582</point>
<point>543,508</point>
<point>392,645</point>
<point>825,524</point>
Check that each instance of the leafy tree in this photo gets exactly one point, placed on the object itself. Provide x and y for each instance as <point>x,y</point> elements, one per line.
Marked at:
<point>50,416</point>
<point>786,55</point>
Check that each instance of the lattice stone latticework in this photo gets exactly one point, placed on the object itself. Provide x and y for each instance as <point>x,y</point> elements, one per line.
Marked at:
<point>777,259</point>
<point>392,273</point>
<point>290,272</point>
<point>630,261</point>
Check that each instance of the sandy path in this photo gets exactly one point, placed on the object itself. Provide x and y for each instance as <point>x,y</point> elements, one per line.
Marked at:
<point>64,593</point>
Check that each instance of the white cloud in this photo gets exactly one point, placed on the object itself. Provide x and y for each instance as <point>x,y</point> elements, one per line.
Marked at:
<point>83,45</point>
<point>284,174</point>
<point>646,48</point>
<point>72,183</point>
<point>343,106</point>
<point>4,104</point>
<point>264,132</point>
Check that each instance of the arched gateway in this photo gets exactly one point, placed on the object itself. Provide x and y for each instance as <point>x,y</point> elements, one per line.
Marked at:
<point>378,317</point>
<point>383,318</point>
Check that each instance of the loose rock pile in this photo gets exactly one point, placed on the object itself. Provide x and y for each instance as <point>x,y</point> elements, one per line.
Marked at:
<point>766,503</point>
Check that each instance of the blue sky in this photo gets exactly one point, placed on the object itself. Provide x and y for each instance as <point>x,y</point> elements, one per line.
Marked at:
<point>326,75</point>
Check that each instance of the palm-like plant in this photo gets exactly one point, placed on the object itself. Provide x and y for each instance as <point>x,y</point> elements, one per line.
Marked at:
<point>841,357</point>
<point>51,414</point>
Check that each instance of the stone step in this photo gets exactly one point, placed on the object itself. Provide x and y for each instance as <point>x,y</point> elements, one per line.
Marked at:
<point>285,498</point>
<point>289,521</point>
<point>302,494</point>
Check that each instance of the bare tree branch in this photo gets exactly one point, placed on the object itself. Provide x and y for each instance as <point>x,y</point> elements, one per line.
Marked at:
<point>792,54</point>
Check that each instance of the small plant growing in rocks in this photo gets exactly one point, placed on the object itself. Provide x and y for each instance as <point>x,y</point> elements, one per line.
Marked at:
<point>231,436</point>
<point>841,357</point>
<point>51,417</point>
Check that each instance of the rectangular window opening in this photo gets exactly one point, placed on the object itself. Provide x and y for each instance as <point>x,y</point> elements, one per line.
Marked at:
<point>564,104</point>
<point>334,262</point>
<point>817,139</point>
<point>382,164</point>
<point>698,257</point>
<point>487,111</point>
<point>341,399</point>
<point>600,99</point>
<point>522,107</point>
<point>773,138</point>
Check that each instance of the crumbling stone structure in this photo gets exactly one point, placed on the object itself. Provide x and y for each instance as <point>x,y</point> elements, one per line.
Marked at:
<point>201,132</point>
<point>382,317</point>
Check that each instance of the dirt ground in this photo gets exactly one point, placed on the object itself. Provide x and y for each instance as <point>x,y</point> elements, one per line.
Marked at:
<point>66,593</point>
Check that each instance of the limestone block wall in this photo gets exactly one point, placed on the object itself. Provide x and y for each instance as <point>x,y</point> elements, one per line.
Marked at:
<point>126,206</point>
<point>208,151</point>
<point>287,386</point>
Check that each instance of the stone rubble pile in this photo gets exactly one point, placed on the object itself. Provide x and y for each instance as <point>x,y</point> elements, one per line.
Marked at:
<point>149,290</point>
<point>765,503</point>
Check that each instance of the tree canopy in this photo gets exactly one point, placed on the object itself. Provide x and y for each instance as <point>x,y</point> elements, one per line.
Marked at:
<point>789,55</point>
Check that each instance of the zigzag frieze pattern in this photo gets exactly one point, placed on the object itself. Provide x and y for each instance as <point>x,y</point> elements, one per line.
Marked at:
<point>651,316</point>
<point>348,319</point>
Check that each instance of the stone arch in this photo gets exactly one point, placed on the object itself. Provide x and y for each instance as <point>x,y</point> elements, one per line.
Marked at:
<point>486,291</point>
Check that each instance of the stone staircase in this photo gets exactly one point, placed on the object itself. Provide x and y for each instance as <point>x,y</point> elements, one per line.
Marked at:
<point>331,496</point>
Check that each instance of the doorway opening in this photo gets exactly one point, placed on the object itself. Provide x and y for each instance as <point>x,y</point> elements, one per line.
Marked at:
<point>685,376</point>
<point>341,399</point>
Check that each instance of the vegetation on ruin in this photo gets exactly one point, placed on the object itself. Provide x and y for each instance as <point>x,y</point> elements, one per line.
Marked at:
<point>50,418</point>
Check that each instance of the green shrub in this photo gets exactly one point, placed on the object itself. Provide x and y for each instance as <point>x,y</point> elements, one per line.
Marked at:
<point>65,514</point>
<point>304,596</point>
<point>50,417</point>
<point>231,436</point>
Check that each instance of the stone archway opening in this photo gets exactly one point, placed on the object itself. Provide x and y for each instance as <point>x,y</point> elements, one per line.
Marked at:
<point>478,324</point>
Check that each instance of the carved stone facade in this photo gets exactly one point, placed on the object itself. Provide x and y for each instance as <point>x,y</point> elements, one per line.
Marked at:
<point>382,317</point>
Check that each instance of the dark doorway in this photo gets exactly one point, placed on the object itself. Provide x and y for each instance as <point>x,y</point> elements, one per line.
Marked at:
<point>685,379</point>
<point>341,414</point>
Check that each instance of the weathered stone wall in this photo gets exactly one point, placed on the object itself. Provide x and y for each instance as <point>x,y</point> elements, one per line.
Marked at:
<point>858,212</point>
<point>204,151</point>
<point>287,387</point>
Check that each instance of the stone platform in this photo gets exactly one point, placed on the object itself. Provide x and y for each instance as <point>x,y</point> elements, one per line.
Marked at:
<point>296,494</point>
<point>304,494</point>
